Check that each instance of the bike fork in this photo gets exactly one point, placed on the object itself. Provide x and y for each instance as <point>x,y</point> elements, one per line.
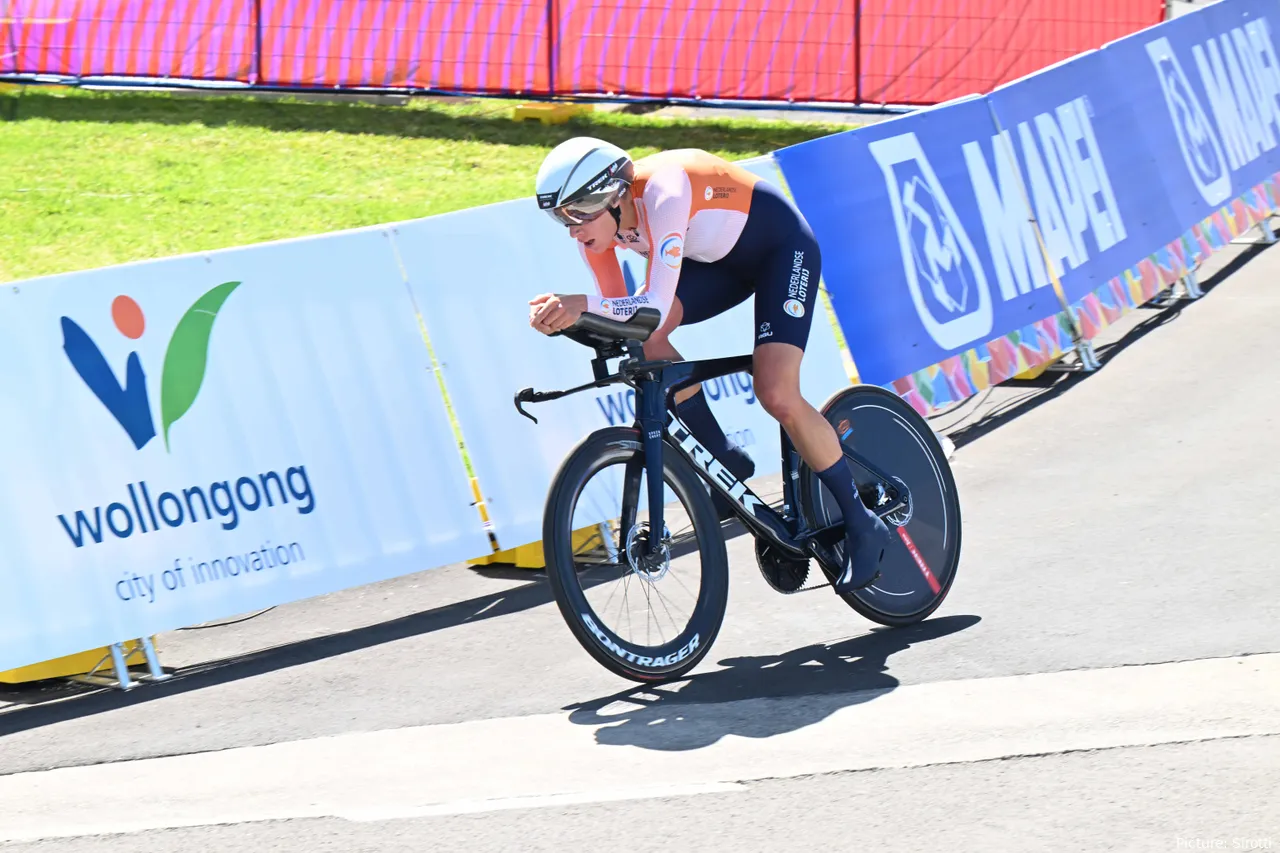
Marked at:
<point>652,421</point>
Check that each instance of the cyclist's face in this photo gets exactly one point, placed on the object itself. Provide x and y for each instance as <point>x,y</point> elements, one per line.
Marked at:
<point>597,234</point>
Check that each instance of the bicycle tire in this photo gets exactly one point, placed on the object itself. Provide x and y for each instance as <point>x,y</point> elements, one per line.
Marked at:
<point>933,476</point>
<point>629,660</point>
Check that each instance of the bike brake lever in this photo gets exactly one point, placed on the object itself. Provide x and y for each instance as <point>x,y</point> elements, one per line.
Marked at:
<point>525,395</point>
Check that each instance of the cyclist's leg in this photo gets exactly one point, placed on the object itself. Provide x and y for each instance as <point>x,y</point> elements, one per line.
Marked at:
<point>704,291</point>
<point>786,299</point>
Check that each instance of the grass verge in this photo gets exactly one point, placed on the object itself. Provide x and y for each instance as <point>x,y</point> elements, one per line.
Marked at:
<point>93,179</point>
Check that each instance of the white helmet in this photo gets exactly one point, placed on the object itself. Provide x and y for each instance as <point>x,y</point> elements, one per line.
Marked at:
<point>581,178</point>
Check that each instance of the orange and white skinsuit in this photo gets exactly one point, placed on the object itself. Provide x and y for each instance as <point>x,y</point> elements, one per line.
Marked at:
<point>716,233</point>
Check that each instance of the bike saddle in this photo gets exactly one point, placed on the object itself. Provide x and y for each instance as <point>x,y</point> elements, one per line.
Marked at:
<point>594,331</point>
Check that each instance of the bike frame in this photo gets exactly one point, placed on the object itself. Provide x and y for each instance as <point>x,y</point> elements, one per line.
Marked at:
<point>655,404</point>
<point>656,383</point>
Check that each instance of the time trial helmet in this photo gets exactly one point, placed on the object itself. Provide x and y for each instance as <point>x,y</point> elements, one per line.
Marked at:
<point>581,178</point>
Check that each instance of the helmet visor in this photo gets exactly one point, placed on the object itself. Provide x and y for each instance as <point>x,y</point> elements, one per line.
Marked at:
<point>582,210</point>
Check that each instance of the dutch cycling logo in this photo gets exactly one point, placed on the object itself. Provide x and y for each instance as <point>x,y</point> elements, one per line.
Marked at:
<point>943,274</point>
<point>182,374</point>
<point>671,250</point>
<point>1201,149</point>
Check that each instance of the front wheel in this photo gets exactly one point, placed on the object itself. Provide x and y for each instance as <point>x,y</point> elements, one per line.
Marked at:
<point>920,565</point>
<point>645,616</point>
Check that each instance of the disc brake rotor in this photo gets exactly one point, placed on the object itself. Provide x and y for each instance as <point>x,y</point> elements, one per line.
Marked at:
<point>648,567</point>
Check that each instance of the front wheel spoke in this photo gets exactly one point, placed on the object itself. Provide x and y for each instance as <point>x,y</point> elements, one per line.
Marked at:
<point>612,592</point>
<point>626,605</point>
<point>648,614</point>
<point>663,601</point>
<point>676,577</point>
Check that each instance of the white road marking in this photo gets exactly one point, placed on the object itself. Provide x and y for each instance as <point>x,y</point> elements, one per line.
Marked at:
<point>548,759</point>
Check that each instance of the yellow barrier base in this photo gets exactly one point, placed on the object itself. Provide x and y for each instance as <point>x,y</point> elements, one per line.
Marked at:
<point>530,556</point>
<point>76,664</point>
<point>1036,371</point>
<point>550,113</point>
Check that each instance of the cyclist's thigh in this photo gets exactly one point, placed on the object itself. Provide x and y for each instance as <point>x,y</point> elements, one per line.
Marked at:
<point>708,289</point>
<point>787,289</point>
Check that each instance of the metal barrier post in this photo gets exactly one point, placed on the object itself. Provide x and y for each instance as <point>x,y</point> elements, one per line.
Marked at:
<point>153,662</point>
<point>1190,286</point>
<point>552,36</point>
<point>257,44</point>
<point>857,51</point>
<point>606,536</point>
<point>1268,236</point>
<point>122,669</point>
<point>1086,358</point>
<point>1264,227</point>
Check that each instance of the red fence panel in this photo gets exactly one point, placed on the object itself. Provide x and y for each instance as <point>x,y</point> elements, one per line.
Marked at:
<point>197,39</point>
<point>870,51</point>
<point>487,46</point>
<point>929,51</point>
<point>739,49</point>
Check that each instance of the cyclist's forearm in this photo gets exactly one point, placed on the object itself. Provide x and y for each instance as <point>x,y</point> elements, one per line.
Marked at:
<point>624,306</point>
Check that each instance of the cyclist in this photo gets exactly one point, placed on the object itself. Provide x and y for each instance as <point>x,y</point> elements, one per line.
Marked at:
<point>714,234</point>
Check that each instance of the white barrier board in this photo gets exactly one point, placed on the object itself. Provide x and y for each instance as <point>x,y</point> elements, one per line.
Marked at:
<point>194,438</point>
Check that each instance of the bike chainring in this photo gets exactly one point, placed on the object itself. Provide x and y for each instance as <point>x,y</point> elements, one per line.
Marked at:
<point>785,574</point>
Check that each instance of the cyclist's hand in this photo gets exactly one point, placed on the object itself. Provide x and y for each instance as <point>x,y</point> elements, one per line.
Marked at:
<point>552,312</point>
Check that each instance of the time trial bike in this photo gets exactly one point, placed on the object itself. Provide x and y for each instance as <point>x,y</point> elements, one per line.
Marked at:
<point>635,551</point>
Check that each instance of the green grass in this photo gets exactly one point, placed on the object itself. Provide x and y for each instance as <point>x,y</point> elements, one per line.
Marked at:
<point>91,179</point>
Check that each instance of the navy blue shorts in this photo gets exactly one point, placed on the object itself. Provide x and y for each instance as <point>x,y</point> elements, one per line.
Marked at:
<point>776,258</point>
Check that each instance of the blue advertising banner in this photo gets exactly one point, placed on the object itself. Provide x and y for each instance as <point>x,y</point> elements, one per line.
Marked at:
<point>1092,181</point>
<point>906,253</point>
<point>925,221</point>
<point>1205,91</point>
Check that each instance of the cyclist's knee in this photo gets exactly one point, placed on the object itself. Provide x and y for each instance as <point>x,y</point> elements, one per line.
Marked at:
<point>782,401</point>
<point>659,346</point>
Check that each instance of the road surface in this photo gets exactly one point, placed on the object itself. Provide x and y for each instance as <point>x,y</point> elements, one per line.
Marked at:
<point>1105,674</point>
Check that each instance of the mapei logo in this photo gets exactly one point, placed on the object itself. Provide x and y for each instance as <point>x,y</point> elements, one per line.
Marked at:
<point>943,273</point>
<point>181,375</point>
<point>1201,149</point>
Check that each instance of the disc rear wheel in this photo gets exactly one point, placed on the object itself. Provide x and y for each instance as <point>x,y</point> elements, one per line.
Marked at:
<point>920,565</point>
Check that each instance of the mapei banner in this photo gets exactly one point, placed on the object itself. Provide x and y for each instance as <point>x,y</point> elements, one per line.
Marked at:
<point>1069,138</point>
<point>905,255</point>
<point>194,438</point>
<point>1204,90</point>
<point>950,225</point>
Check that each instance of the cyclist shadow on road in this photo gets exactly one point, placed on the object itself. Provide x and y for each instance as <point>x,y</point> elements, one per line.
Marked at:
<point>800,687</point>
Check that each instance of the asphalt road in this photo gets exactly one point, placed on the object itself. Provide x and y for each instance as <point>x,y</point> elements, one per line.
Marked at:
<point>1098,676</point>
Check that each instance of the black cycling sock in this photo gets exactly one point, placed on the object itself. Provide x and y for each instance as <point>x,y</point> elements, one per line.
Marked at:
<point>698,417</point>
<point>865,534</point>
<point>839,481</point>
